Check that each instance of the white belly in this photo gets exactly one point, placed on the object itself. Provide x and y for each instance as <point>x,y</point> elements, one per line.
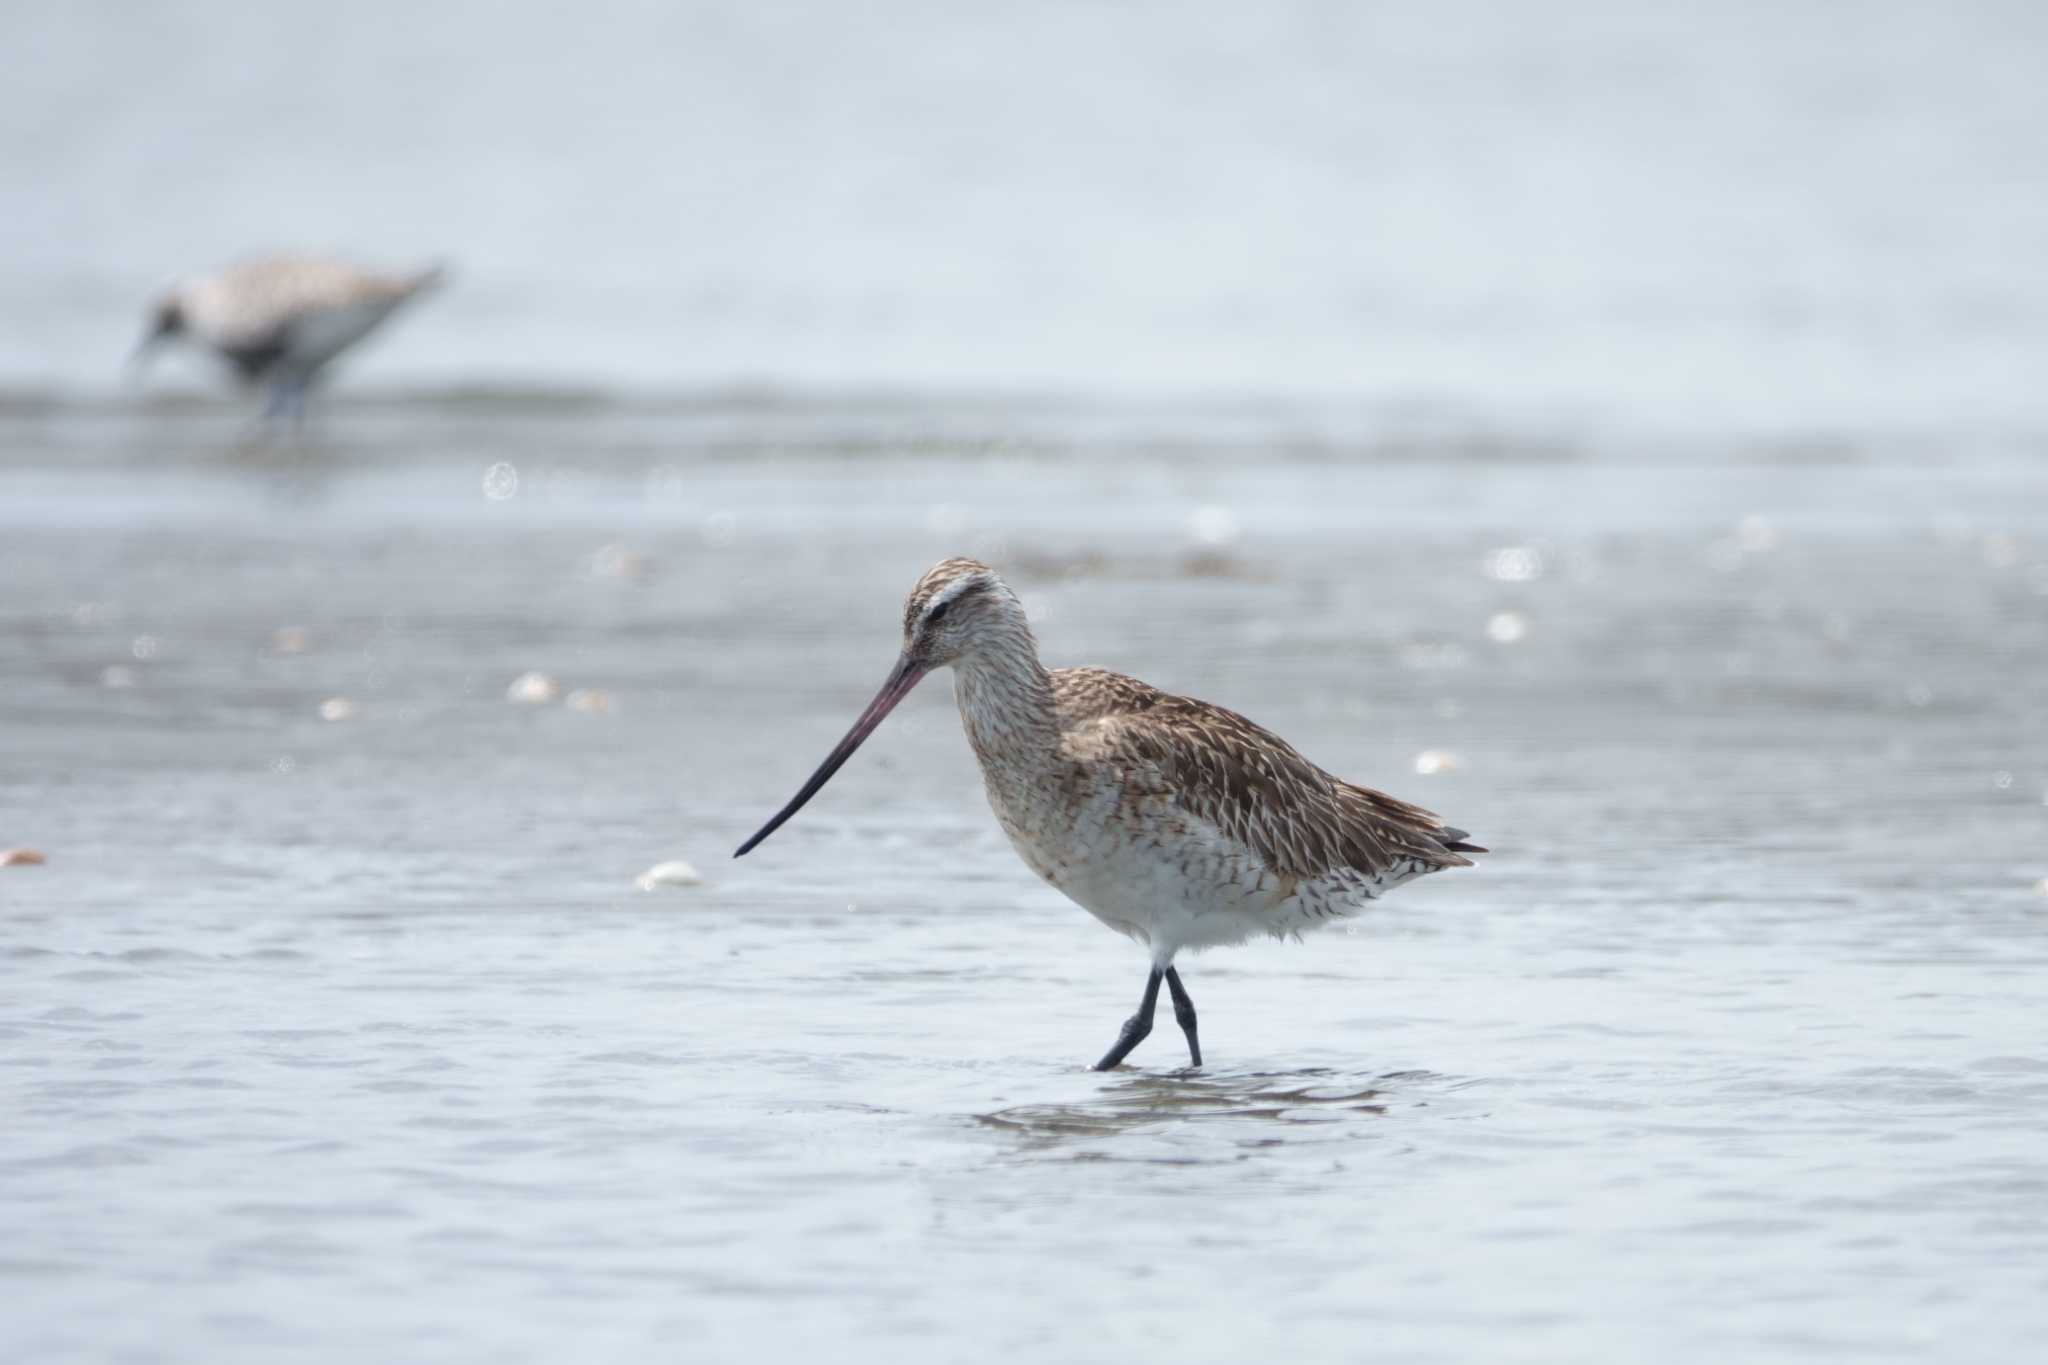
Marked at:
<point>1171,880</point>
<point>321,334</point>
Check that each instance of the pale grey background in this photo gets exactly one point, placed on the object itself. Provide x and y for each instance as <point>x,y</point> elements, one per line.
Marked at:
<point>1639,405</point>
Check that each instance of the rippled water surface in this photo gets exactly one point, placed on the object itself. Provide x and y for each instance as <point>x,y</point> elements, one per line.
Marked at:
<point>352,1039</point>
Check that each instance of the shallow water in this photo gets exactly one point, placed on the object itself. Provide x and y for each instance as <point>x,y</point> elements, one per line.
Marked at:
<point>352,1039</point>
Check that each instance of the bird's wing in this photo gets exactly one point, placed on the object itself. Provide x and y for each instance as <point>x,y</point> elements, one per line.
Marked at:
<point>1247,782</point>
<point>251,304</point>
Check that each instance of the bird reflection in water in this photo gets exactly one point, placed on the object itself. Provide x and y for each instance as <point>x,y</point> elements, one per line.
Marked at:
<point>1138,1103</point>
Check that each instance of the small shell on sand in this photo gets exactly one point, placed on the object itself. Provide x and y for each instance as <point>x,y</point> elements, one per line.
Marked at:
<point>1433,761</point>
<point>533,689</point>
<point>337,708</point>
<point>1214,525</point>
<point>676,873</point>
<point>1506,627</point>
<point>28,857</point>
<point>290,640</point>
<point>589,700</point>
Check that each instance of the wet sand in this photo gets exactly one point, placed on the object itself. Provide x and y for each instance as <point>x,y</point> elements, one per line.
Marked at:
<point>346,1039</point>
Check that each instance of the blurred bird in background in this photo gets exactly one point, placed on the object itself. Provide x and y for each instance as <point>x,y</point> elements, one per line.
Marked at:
<point>280,320</point>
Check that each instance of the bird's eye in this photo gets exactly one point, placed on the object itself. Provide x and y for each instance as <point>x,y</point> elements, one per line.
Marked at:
<point>931,618</point>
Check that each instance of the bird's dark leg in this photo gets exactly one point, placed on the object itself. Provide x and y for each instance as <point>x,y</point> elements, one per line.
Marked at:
<point>277,401</point>
<point>1184,1011</point>
<point>1136,1027</point>
<point>298,407</point>
<point>285,404</point>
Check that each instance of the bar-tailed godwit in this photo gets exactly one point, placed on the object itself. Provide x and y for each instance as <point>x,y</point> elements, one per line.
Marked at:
<point>279,321</point>
<point>1177,823</point>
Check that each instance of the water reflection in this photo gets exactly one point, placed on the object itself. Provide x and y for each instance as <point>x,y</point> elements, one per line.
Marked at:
<point>1161,1102</point>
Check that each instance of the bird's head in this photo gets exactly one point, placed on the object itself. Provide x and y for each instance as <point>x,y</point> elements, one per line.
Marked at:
<point>958,612</point>
<point>166,321</point>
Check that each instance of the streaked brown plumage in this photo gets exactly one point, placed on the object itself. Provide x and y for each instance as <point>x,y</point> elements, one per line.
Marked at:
<point>1177,822</point>
<point>1248,782</point>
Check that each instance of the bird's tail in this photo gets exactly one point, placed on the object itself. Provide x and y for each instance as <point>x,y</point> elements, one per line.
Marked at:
<point>426,279</point>
<point>1454,840</point>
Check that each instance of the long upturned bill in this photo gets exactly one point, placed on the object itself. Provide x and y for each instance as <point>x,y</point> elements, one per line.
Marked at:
<point>904,676</point>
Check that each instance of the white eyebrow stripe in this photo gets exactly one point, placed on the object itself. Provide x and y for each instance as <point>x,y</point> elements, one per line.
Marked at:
<point>949,592</point>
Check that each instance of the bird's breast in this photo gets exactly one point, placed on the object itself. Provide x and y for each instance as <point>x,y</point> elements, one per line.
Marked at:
<point>1123,852</point>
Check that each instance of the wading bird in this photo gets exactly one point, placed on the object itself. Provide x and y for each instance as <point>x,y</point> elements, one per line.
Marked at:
<point>280,321</point>
<point>1174,822</point>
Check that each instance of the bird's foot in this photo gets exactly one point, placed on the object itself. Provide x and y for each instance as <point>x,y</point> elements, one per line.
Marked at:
<point>1135,1030</point>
